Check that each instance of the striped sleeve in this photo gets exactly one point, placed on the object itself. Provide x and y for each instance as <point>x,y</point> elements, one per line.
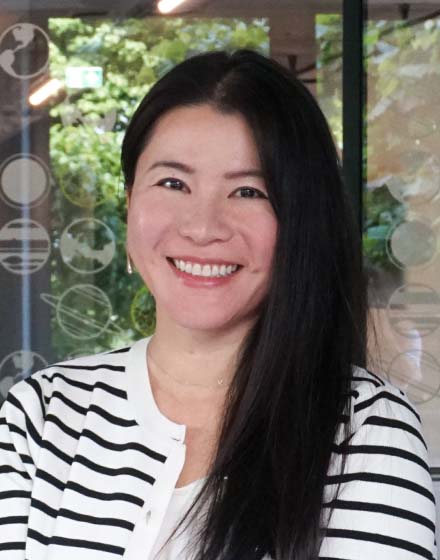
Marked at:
<point>20,435</point>
<point>385,508</point>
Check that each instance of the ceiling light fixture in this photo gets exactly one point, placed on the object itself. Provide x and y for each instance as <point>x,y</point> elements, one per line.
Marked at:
<point>40,95</point>
<point>167,6</point>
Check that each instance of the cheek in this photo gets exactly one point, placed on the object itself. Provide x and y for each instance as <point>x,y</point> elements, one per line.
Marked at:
<point>146,226</point>
<point>264,236</point>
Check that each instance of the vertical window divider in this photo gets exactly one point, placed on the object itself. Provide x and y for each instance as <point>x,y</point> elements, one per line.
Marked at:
<point>354,98</point>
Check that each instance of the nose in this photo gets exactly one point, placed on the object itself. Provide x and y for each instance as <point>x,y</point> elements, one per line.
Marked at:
<point>204,222</point>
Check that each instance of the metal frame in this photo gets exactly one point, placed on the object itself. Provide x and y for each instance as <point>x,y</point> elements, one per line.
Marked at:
<point>353,101</point>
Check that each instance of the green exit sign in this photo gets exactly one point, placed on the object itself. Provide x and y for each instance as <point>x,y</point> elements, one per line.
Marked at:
<point>83,77</point>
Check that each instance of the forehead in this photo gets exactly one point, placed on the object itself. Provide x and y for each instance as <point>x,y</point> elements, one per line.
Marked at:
<point>202,135</point>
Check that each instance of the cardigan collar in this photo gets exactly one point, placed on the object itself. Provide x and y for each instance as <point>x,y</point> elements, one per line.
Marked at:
<point>140,395</point>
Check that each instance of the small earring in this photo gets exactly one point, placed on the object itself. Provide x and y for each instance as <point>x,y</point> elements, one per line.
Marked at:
<point>129,265</point>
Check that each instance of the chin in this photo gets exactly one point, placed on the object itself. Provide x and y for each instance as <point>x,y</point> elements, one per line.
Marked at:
<point>212,321</point>
<point>203,321</point>
<point>203,324</point>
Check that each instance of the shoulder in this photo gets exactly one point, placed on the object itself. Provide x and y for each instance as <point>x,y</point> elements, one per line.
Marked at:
<point>70,379</point>
<point>377,401</point>
<point>387,433</point>
<point>385,506</point>
<point>92,367</point>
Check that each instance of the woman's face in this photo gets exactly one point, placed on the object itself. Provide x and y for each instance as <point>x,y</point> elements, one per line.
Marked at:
<point>198,207</point>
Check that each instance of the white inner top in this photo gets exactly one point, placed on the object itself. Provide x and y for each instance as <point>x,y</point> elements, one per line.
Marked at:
<point>181,500</point>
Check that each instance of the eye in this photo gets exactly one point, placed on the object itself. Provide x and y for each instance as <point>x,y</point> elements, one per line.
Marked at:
<point>171,183</point>
<point>249,192</point>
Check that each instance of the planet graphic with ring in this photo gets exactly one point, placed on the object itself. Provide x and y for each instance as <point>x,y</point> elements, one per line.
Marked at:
<point>83,312</point>
<point>25,180</point>
<point>24,246</point>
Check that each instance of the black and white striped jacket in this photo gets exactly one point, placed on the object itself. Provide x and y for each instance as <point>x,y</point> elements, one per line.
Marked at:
<point>88,464</point>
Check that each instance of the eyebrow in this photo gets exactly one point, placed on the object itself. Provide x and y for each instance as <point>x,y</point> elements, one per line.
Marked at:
<point>187,169</point>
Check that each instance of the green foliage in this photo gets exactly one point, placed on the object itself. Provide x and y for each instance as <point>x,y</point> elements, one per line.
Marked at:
<point>382,213</point>
<point>85,143</point>
<point>329,70</point>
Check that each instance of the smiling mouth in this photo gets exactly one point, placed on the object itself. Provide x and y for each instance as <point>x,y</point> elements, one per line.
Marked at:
<point>205,270</point>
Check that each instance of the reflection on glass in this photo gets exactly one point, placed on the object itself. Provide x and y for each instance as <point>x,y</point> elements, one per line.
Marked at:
<point>402,202</point>
<point>71,85</point>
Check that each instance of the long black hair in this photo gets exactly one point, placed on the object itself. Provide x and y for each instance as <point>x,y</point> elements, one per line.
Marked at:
<point>290,397</point>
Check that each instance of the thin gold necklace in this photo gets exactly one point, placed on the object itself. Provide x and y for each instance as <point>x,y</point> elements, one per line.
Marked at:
<point>220,380</point>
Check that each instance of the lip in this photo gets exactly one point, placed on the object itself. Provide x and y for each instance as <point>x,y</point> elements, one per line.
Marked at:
<point>202,281</point>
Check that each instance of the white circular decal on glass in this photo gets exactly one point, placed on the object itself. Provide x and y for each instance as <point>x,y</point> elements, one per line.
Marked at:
<point>83,188</point>
<point>21,46</point>
<point>83,311</point>
<point>420,180</point>
<point>24,246</point>
<point>87,245</point>
<point>412,244</point>
<point>418,373</point>
<point>414,310</point>
<point>17,366</point>
<point>25,180</point>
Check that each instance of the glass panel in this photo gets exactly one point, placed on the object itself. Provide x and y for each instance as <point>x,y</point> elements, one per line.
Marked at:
<point>71,77</point>
<point>402,201</point>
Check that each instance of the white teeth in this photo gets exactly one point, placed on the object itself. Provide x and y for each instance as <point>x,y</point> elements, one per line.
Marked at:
<point>196,270</point>
<point>206,270</point>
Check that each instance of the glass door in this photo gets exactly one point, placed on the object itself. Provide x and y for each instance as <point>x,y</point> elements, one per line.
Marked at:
<point>72,73</point>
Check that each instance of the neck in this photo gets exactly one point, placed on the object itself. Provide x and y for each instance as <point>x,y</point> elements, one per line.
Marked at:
<point>222,382</point>
<point>192,362</point>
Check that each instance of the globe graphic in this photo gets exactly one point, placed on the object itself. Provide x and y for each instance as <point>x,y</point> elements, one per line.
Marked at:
<point>82,187</point>
<point>24,51</point>
<point>17,366</point>
<point>87,245</point>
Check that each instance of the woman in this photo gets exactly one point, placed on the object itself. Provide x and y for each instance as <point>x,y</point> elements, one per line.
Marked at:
<point>247,419</point>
